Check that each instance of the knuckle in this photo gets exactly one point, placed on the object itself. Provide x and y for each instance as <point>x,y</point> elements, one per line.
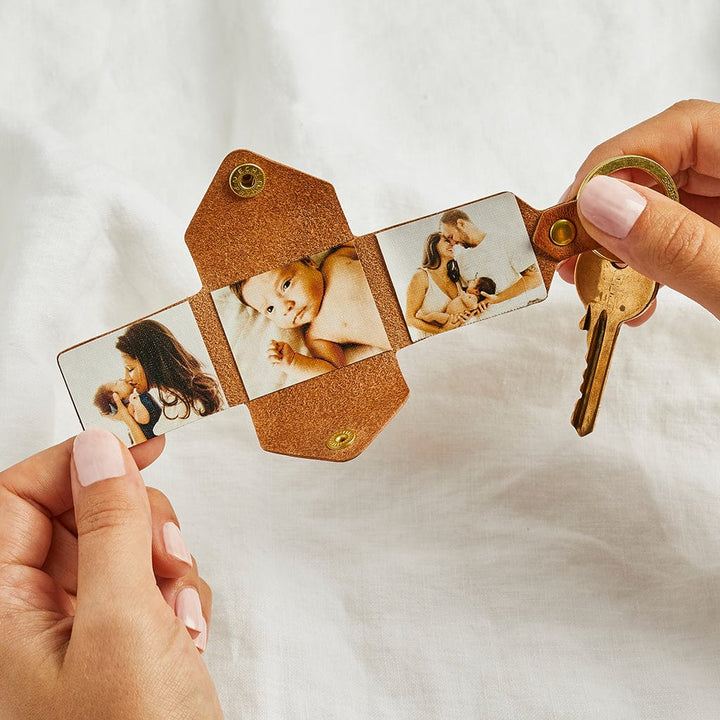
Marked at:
<point>114,621</point>
<point>155,495</point>
<point>159,500</point>
<point>100,517</point>
<point>17,588</point>
<point>689,106</point>
<point>685,238</point>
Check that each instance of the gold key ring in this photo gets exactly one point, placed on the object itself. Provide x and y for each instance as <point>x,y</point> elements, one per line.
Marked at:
<point>640,163</point>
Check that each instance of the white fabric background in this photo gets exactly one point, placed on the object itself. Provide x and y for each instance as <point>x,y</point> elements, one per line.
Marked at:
<point>478,560</point>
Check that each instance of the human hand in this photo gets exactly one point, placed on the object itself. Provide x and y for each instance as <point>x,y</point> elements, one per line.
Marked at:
<point>280,353</point>
<point>137,409</point>
<point>468,299</point>
<point>123,412</point>
<point>93,578</point>
<point>454,321</point>
<point>676,244</point>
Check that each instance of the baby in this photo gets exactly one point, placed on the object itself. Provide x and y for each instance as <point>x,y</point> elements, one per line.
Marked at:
<point>142,407</point>
<point>468,302</point>
<point>331,303</point>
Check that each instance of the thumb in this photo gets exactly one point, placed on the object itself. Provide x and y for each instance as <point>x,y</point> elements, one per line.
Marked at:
<point>656,236</point>
<point>113,520</point>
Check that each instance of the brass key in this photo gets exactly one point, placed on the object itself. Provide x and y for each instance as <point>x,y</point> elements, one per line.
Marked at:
<point>612,294</point>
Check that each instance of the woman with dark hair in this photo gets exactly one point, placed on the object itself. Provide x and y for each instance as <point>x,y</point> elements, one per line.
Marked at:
<point>432,287</point>
<point>154,358</point>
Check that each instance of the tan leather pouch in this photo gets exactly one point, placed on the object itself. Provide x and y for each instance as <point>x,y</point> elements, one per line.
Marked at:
<point>333,416</point>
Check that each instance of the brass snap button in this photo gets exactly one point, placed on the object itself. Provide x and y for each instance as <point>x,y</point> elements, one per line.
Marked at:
<point>341,439</point>
<point>247,180</point>
<point>562,232</point>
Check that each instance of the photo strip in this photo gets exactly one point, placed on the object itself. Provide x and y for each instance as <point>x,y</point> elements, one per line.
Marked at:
<point>301,320</point>
<point>467,264</point>
<point>144,379</point>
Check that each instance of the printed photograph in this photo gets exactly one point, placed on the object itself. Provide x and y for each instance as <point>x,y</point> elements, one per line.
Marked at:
<point>466,264</point>
<point>301,320</point>
<point>145,379</point>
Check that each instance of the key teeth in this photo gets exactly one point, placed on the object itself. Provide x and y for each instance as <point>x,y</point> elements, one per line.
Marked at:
<point>580,410</point>
<point>612,295</point>
<point>581,421</point>
<point>585,322</point>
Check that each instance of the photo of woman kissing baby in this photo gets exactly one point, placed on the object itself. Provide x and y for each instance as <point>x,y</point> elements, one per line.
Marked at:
<point>163,377</point>
<point>300,320</point>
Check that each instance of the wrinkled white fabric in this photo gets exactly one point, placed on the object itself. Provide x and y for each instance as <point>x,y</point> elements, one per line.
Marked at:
<point>479,559</point>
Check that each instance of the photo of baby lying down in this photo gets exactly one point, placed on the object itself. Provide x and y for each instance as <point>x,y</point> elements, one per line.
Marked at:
<point>300,320</point>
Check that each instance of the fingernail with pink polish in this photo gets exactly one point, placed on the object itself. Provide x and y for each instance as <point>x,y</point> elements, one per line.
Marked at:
<point>189,610</point>
<point>98,456</point>
<point>611,205</point>
<point>174,543</point>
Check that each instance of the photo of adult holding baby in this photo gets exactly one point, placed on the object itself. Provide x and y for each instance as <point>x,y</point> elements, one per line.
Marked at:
<point>463,265</point>
<point>514,267</point>
<point>120,400</point>
<point>301,320</point>
<point>164,379</point>
<point>436,299</point>
<point>153,358</point>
